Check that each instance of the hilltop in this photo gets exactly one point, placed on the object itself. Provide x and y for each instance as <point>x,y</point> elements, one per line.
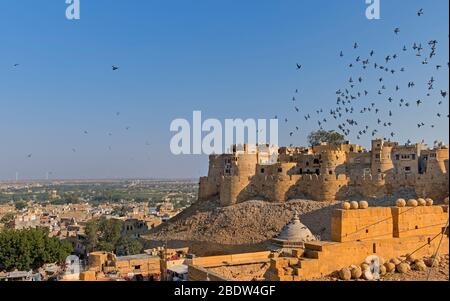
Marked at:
<point>245,226</point>
<point>209,229</point>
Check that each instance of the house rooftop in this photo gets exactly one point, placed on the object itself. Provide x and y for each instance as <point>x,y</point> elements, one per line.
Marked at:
<point>135,257</point>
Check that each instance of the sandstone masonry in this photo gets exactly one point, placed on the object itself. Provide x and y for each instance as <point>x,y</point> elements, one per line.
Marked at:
<point>326,172</point>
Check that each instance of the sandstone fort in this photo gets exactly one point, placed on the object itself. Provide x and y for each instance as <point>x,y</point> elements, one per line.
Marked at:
<point>326,172</point>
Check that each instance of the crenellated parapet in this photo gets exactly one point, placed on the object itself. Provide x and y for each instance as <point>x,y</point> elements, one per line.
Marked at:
<point>327,173</point>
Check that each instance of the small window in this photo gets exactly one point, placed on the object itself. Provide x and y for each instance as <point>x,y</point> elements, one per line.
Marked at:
<point>397,157</point>
<point>374,248</point>
<point>280,170</point>
<point>262,170</point>
<point>330,172</point>
<point>377,156</point>
<point>413,157</point>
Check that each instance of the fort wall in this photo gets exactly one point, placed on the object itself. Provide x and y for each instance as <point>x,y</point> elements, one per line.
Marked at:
<point>392,233</point>
<point>328,173</point>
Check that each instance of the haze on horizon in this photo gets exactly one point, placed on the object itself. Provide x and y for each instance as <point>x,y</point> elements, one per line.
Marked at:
<point>78,119</point>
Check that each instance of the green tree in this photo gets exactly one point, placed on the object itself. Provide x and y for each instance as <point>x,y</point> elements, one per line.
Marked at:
<point>92,234</point>
<point>106,246</point>
<point>110,230</point>
<point>30,249</point>
<point>128,246</point>
<point>103,234</point>
<point>321,136</point>
<point>20,205</point>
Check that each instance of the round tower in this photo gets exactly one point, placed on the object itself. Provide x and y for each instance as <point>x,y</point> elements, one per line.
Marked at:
<point>381,157</point>
<point>332,162</point>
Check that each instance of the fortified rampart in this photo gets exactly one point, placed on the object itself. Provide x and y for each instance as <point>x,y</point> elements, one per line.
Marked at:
<point>386,232</point>
<point>327,173</point>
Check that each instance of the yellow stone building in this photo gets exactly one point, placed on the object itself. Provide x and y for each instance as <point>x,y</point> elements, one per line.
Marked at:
<point>326,172</point>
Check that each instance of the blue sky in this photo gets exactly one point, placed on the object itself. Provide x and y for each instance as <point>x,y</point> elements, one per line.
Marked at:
<point>229,59</point>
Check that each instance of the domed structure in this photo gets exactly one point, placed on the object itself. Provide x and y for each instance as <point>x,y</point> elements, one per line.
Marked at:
<point>292,236</point>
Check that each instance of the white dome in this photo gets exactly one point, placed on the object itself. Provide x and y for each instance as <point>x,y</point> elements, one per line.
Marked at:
<point>295,231</point>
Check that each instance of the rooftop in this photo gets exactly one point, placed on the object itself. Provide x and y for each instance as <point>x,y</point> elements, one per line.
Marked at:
<point>134,257</point>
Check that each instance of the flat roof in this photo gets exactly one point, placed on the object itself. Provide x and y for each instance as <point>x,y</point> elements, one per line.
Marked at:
<point>138,256</point>
<point>179,269</point>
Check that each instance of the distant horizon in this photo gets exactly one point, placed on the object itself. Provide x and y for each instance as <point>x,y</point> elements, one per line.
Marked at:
<point>100,179</point>
<point>84,180</point>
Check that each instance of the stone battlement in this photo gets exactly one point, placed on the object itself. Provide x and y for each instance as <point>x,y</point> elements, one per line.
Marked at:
<point>327,173</point>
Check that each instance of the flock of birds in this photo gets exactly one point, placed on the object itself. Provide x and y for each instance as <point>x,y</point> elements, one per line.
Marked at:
<point>351,99</point>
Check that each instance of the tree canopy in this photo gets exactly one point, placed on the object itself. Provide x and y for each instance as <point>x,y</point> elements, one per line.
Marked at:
<point>30,249</point>
<point>20,205</point>
<point>106,235</point>
<point>321,136</point>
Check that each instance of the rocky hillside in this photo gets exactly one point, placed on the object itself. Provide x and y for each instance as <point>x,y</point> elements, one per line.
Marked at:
<point>210,229</point>
<point>249,223</point>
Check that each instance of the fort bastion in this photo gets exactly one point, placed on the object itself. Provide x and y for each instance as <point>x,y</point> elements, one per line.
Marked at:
<point>326,172</point>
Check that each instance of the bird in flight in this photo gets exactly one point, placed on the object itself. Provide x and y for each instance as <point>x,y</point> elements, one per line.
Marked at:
<point>114,68</point>
<point>30,155</point>
<point>16,65</point>
<point>420,12</point>
<point>397,30</point>
<point>299,66</point>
